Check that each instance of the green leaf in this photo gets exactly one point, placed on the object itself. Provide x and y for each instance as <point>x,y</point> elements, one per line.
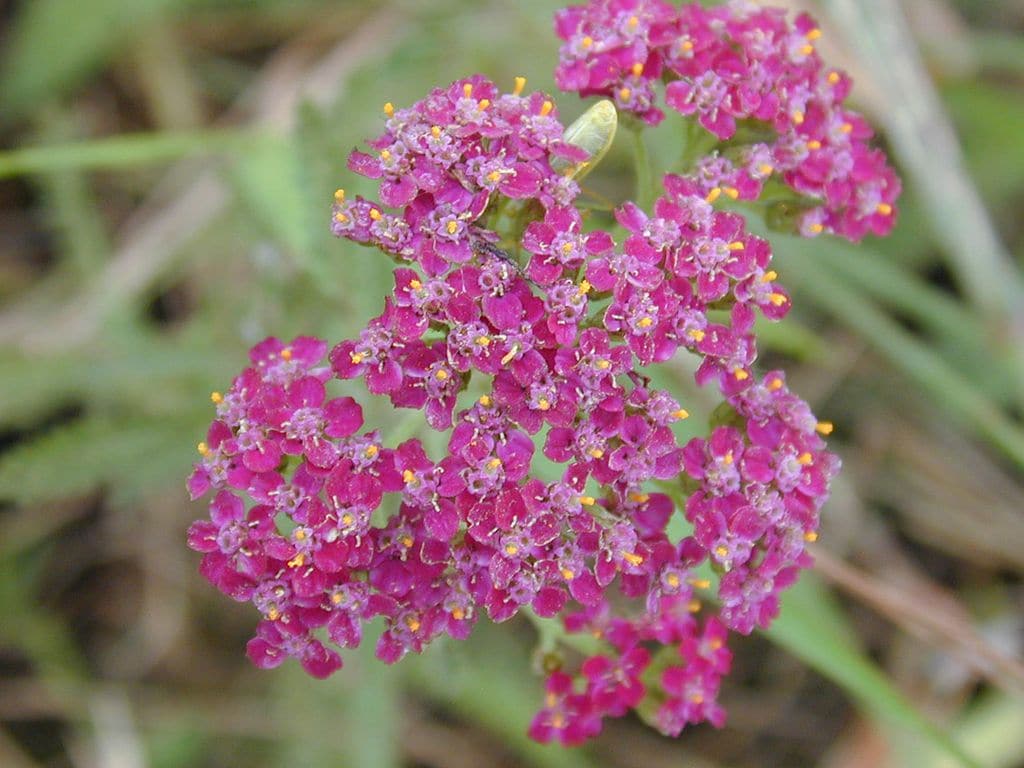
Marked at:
<point>130,456</point>
<point>813,628</point>
<point>126,150</point>
<point>951,389</point>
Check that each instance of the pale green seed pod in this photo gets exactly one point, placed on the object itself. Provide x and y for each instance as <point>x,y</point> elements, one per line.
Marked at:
<point>593,132</point>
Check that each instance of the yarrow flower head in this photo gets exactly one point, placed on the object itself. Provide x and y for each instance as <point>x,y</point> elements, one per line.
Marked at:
<point>754,81</point>
<point>522,329</point>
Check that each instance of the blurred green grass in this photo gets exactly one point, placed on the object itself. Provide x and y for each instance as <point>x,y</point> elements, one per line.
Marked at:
<point>176,158</point>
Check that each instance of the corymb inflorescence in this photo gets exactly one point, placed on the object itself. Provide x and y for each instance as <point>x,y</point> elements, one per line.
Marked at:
<point>526,328</point>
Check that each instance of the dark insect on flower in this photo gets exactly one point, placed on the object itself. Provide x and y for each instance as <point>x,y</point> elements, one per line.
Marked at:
<point>486,248</point>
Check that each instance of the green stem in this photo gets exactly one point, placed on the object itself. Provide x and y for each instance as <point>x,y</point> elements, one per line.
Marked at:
<point>645,189</point>
<point>551,632</point>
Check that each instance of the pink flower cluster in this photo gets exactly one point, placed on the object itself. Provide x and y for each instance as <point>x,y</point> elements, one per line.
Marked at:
<point>340,527</point>
<point>755,81</point>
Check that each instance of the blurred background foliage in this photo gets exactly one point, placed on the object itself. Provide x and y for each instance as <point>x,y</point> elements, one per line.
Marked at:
<point>165,183</point>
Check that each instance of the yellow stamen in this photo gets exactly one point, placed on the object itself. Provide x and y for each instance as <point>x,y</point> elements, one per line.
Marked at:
<point>637,69</point>
<point>814,144</point>
<point>385,155</point>
<point>336,598</point>
<point>494,177</point>
<point>467,89</point>
<point>731,192</point>
<point>673,580</point>
<point>511,549</point>
<point>415,284</point>
<point>584,288</point>
<point>371,451</point>
<point>413,624</point>
<point>714,194</point>
<point>298,561</point>
<point>484,400</point>
<point>375,214</point>
<point>339,195</point>
<point>639,498</point>
<point>435,131</point>
<point>300,535</point>
<point>728,458</point>
<point>813,34</point>
<point>715,644</point>
<point>389,108</point>
<point>545,108</point>
<point>805,458</point>
<point>543,404</point>
<point>693,606</point>
<point>632,558</point>
<point>510,355</point>
<point>775,385</point>
<point>700,583</point>
<point>824,427</point>
<point>817,228</point>
<point>697,698</point>
<point>765,169</point>
<point>587,501</point>
<point>440,374</point>
<point>633,21</point>
<point>807,50</point>
<point>798,116</point>
<point>347,519</point>
<point>645,322</point>
<point>567,574</point>
<point>603,365</point>
<point>884,208</point>
<point>587,41</point>
<point>596,453</point>
<point>408,476</point>
<point>457,613</point>
<point>722,552</point>
<point>273,613</point>
<point>482,341</point>
<point>778,299</point>
<point>483,103</point>
<point>686,45</point>
<point>737,245</point>
<point>624,94</point>
<point>740,374</point>
<point>406,541</point>
<point>520,83</point>
<point>204,449</point>
<point>356,358</point>
<point>340,217</point>
<point>833,78</point>
<point>846,128</point>
<point>452,227</point>
<point>682,413</point>
<point>696,334</point>
<point>216,398</point>
<point>494,463</point>
<point>768,276</point>
<point>286,353</point>
<point>811,536</point>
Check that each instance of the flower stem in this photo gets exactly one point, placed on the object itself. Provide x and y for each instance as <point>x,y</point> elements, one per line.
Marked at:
<point>645,191</point>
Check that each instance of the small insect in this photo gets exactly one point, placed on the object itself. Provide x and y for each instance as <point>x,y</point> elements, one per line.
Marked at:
<point>485,248</point>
